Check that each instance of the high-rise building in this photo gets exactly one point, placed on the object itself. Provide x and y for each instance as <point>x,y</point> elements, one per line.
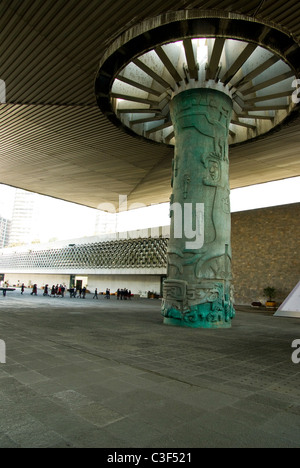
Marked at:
<point>22,217</point>
<point>4,232</point>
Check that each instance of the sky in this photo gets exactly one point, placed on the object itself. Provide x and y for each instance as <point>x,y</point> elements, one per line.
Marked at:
<point>282,192</point>
<point>59,220</point>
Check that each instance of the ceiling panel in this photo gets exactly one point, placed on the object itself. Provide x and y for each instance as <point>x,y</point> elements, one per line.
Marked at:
<point>54,139</point>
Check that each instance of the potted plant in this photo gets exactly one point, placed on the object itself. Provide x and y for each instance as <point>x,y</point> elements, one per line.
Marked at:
<point>270,293</point>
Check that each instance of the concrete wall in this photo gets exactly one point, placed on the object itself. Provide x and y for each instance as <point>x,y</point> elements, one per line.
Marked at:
<point>138,284</point>
<point>266,252</point>
<point>40,279</point>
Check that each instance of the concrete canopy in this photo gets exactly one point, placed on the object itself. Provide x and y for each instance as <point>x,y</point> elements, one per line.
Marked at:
<point>55,140</point>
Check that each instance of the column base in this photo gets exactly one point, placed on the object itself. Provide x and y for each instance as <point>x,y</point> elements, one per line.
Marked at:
<point>199,316</point>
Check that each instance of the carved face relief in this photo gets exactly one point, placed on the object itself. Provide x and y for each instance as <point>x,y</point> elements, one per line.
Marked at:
<point>214,170</point>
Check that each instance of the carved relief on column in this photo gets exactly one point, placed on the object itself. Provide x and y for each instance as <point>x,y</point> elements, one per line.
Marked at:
<point>199,278</point>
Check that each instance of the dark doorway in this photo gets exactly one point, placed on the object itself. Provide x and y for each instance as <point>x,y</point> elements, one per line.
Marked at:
<point>72,281</point>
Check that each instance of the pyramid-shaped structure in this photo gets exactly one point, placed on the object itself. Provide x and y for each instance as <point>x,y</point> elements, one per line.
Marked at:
<point>291,306</point>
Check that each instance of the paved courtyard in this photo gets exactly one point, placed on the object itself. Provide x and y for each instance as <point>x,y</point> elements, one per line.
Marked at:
<point>106,373</point>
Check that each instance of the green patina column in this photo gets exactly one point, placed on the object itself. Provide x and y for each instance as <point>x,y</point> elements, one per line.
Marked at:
<point>197,291</point>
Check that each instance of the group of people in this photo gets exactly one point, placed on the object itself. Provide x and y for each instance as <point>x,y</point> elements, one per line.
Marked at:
<point>59,291</point>
<point>56,291</point>
<point>34,290</point>
<point>107,294</point>
<point>81,292</point>
<point>123,294</point>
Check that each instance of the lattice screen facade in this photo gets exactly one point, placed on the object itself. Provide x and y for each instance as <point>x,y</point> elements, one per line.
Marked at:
<point>129,253</point>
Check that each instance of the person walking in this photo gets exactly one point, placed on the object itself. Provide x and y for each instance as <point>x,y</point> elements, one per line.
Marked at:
<point>96,294</point>
<point>83,292</point>
<point>22,289</point>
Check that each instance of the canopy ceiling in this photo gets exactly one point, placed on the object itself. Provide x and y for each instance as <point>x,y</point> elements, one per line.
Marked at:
<point>55,141</point>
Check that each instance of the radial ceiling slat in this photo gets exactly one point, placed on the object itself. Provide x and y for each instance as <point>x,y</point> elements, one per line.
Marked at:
<point>213,65</point>
<point>267,83</point>
<point>146,120</point>
<point>135,84</point>
<point>255,116</point>
<point>268,97</point>
<point>151,73</point>
<point>242,124</point>
<point>257,71</point>
<point>241,59</point>
<point>138,111</point>
<point>168,64</point>
<point>191,59</point>
<point>127,97</point>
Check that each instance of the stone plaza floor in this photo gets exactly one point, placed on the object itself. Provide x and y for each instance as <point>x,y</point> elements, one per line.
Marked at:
<point>106,373</point>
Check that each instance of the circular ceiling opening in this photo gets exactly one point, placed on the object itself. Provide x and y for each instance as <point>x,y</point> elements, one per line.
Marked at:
<point>141,73</point>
